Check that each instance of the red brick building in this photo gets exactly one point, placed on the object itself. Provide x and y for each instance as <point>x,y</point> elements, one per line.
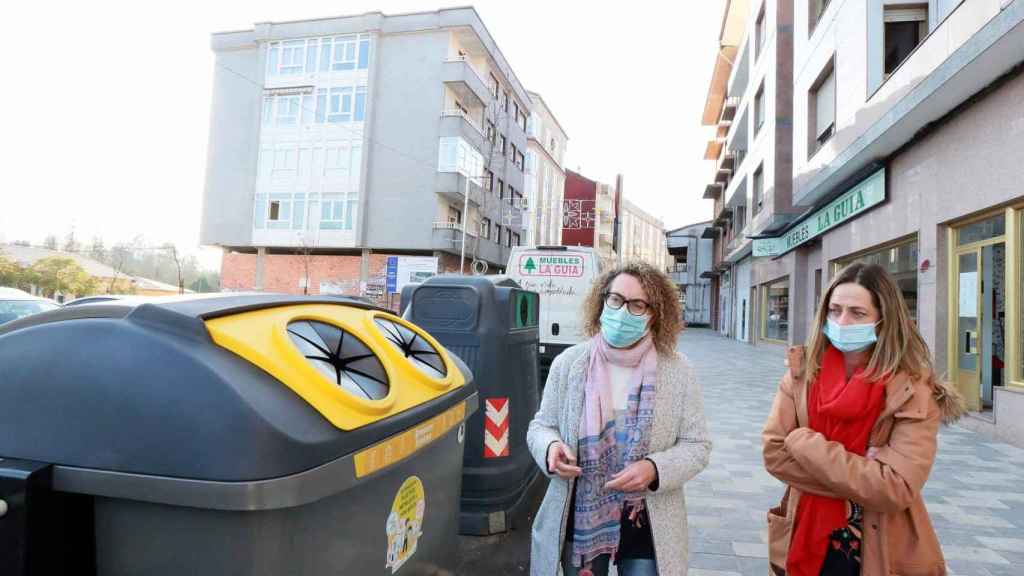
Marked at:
<point>579,214</point>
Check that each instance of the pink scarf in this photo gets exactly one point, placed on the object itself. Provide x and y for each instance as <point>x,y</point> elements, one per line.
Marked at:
<point>610,441</point>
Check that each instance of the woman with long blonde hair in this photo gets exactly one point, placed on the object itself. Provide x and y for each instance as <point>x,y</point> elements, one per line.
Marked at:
<point>853,435</point>
<point>620,430</point>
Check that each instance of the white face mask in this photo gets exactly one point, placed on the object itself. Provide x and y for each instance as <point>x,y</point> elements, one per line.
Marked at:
<point>852,337</point>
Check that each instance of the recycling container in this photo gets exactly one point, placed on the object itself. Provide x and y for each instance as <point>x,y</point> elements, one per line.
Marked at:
<point>491,323</point>
<point>234,434</point>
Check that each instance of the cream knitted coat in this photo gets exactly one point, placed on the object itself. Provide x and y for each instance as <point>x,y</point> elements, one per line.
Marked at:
<point>679,447</point>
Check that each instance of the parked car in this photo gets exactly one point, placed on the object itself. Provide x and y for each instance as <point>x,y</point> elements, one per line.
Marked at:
<point>16,304</point>
<point>94,299</point>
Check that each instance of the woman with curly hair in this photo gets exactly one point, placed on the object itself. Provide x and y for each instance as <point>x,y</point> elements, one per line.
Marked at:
<point>620,430</point>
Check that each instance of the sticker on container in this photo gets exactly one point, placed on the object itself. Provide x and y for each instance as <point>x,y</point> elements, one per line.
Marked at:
<point>405,523</point>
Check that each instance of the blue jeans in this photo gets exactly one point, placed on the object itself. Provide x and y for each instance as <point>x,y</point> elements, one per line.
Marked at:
<point>626,567</point>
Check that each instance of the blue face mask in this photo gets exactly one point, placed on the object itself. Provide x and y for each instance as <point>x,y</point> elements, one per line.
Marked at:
<point>850,338</point>
<point>622,329</point>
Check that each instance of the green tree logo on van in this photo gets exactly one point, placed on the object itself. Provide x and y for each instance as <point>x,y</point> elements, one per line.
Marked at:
<point>529,266</point>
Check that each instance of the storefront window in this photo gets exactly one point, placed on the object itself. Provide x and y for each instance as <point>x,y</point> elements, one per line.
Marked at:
<point>776,321</point>
<point>901,262</point>
<point>983,230</point>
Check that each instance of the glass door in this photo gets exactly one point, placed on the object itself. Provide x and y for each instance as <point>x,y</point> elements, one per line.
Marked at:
<point>968,335</point>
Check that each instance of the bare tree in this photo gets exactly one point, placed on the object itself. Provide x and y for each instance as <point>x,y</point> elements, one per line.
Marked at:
<point>305,251</point>
<point>176,256</point>
<point>71,243</point>
<point>119,257</point>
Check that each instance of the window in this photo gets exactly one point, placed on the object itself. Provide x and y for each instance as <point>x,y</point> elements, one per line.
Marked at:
<point>501,189</point>
<point>492,83</point>
<point>485,228</point>
<point>313,55</point>
<point>815,9</point>
<point>515,154</point>
<point>458,155</point>
<point>279,211</point>
<point>521,120</point>
<point>492,133</point>
<point>504,145</point>
<point>905,28</point>
<point>821,108</point>
<point>498,237</point>
<point>817,288</point>
<point>520,160</point>
<point>340,106</point>
<point>759,33</point>
<point>333,210</point>
<point>504,102</point>
<point>758,187</point>
<point>759,110</point>
<point>987,229</point>
<point>360,112</point>
<point>454,215</point>
<point>343,54</point>
<point>741,219</point>
<point>489,180</point>
<point>511,196</point>
<point>515,108</point>
<point>516,240</point>
<point>775,320</point>
<point>901,261</point>
<point>287,111</point>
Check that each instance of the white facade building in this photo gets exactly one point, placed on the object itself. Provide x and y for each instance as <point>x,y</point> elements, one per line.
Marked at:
<point>643,236</point>
<point>545,175</point>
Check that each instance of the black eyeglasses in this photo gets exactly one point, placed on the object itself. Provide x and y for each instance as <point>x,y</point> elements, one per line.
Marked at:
<point>636,307</point>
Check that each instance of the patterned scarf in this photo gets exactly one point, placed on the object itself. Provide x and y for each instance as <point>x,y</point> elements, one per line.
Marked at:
<point>610,441</point>
<point>843,411</point>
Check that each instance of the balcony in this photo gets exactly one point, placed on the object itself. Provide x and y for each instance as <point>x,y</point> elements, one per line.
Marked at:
<point>452,186</point>
<point>447,237</point>
<point>460,76</point>
<point>458,123</point>
<point>712,191</point>
<point>729,109</point>
<point>679,273</point>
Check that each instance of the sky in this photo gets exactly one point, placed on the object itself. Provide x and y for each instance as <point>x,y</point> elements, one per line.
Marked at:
<point>107,103</point>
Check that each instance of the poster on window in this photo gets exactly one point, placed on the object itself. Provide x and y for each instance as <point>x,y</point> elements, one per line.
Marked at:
<point>968,294</point>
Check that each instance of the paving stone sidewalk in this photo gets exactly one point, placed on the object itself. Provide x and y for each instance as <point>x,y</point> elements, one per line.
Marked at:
<point>975,494</point>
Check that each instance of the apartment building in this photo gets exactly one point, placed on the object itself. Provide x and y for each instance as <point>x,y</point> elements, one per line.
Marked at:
<point>689,266</point>
<point>642,236</point>
<point>750,106</point>
<point>545,175</point>
<point>338,143</point>
<point>908,147</point>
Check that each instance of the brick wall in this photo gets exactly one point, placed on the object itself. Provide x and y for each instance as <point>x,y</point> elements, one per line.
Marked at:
<point>327,274</point>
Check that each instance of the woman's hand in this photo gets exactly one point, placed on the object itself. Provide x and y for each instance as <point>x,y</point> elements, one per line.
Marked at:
<point>636,477</point>
<point>562,462</point>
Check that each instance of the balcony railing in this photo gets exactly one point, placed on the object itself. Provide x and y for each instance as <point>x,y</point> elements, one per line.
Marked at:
<point>457,112</point>
<point>469,64</point>
<point>448,226</point>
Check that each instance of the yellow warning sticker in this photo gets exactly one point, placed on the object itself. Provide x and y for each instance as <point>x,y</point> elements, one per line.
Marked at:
<point>404,444</point>
<point>405,523</point>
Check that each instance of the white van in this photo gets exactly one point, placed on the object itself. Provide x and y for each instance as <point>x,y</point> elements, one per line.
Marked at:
<point>562,275</point>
